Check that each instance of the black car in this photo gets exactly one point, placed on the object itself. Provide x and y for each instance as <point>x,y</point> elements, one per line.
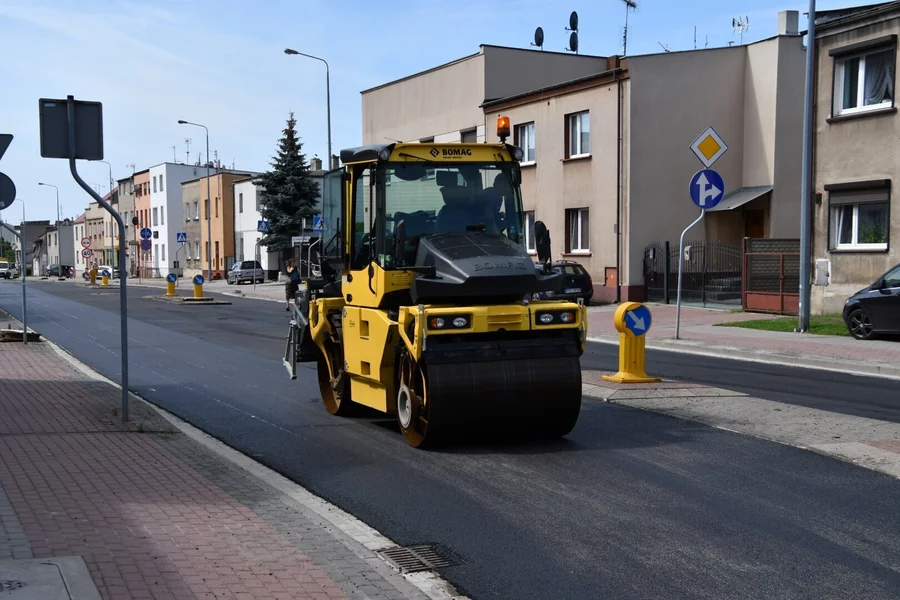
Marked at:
<point>577,282</point>
<point>875,309</point>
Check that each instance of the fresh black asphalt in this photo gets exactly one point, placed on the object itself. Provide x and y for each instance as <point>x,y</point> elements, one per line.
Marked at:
<point>631,505</point>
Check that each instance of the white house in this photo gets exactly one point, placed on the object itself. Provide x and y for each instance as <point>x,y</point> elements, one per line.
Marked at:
<point>166,216</point>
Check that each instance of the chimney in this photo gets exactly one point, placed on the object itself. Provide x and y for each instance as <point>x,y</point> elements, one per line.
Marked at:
<point>315,164</point>
<point>335,161</point>
<point>789,22</point>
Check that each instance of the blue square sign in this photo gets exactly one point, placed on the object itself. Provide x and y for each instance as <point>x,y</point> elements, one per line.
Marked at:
<point>181,237</point>
<point>262,226</point>
<point>318,223</point>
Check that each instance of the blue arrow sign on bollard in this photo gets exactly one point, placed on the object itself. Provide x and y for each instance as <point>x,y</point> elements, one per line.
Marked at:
<point>198,280</point>
<point>638,320</point>
<point>707,188</point>
<point>171,277</point>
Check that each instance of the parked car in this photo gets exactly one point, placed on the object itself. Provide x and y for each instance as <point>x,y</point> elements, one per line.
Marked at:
<point>53,271</point>
<point>7,269</point>
<point>577,284</point>
<point>246,270</point>
<point>875,309</point>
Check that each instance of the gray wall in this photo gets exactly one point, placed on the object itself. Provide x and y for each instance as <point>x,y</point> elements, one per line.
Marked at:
<point>785,206</point>
<point>66,245</point>
<point>512,71</point>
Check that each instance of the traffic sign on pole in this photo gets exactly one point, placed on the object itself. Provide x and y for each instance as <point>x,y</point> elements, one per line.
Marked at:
<point>262,226</point>
<point>707,188</point>
<point>181,237</point>
<point>318,223</point>
<point>146,245</point>
<point>85,242</point>
<point>87,252</point>
<point>146,233</point>
<point>709,147</point>
<point>632,321</point>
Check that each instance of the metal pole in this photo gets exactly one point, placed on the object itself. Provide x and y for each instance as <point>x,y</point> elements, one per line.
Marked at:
<point>328,100</point>
<point>21,245</point>
<point>806,173</point>
<point>256,257</point>
<point>309,258</point>
<point>681,271</point>
<point>123,288</point>
<point>208,212</point>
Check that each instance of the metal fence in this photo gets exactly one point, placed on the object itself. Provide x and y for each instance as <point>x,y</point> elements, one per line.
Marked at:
<point>712,273</point>
<point>772,275</point>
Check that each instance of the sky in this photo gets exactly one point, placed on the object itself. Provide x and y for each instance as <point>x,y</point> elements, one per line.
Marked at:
<point>222,64</point>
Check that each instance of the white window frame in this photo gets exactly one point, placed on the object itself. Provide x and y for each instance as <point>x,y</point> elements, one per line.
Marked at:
<point>156,216</point>
<point>860,107</point>
<point>574,128</point>
<point>160,183</point>
<point>241,202</point>
<point>196,210</point>
<point>154,184</point>
<point>530,244</point>
<point>528,130</point>
<point>578,246</point>
<point>162,213</point>
<point>854,245</point>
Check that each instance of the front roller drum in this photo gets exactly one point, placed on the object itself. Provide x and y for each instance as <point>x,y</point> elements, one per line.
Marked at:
<point>499,398</point>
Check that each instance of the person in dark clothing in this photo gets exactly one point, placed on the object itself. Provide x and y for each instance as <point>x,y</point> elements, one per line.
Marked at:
<point>291,284</point>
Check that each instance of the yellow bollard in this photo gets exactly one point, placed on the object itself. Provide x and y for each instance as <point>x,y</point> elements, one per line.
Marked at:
<point>632,321</point>
<point>198,286</point>
<point>94,276</point>
<point>105,279</point>
<point>171,278</point>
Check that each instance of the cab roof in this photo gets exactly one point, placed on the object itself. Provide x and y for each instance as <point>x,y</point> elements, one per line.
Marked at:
<point>370,153</point>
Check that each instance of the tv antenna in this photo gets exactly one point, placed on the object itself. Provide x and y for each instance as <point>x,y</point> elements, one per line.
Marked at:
<point>742,25</point>
<point>187,154</point>
<point>664,46</point>
<point>573,37</point>
<point>174,157</point>
<point>538,38</point>
<point>629,4</point>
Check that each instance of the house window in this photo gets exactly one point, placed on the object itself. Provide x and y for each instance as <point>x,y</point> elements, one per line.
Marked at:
<point>864,81</point>
<point>241,202</point>
<point>162,215</point>
<point>196,211</point>
<point>529,231</point>
<point>525,141</point>
<point>469,137</point>
<point>154,184</point>
<point>187,212</point>
<point>155,216</point>
<point>859,219</point>
<point>160,183</point>
<point>207,251</point>
<point>206,208</point>
<point>578,230</point>
<point>197,250</point>
<point>163,252</point>
<point>579,133</point>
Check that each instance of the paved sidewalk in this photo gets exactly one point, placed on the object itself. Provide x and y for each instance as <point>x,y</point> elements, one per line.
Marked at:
<point>154,513</point>
<point>699,334</point>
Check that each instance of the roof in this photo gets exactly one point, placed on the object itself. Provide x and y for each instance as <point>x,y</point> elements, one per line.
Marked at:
<point>827,19</point>
<point>481,48</point>
<point>249,174</point>
<point>81,218</point>
<point>554,87</point>
<point>740,197</point>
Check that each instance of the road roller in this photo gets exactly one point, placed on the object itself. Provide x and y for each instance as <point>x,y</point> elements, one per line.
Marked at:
<point>427,305</point>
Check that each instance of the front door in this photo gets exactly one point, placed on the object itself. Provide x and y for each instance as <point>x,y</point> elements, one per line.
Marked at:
<point>754,223</point>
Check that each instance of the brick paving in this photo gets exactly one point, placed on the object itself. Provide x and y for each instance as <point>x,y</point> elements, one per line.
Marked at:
<point>153,513</point>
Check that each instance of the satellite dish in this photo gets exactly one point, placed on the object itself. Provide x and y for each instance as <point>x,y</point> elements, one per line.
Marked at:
<point>538,38</point>
<point>573,21</point>
<point>573,42</point>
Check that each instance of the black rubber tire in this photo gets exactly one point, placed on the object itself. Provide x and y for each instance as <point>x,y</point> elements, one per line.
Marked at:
<point>337,403</point>
<point>859,324</point>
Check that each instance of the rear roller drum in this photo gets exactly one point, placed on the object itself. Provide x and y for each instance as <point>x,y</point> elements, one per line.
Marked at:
<point>335,395</point>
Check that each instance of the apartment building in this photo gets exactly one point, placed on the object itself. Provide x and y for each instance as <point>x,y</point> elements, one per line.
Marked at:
<point>607,151</point>
<point>141,181</point>
<point>856,216</point>
<point>93,220</point>
<point>190,254</point>
<point>79,232</point>
<point>125,197</point>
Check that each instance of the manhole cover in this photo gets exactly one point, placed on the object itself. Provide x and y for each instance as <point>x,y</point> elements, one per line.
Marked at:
<point>425,557</point>
<point>8,585</point>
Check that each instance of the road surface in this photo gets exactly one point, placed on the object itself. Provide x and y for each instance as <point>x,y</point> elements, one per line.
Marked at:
<point>631,505</point>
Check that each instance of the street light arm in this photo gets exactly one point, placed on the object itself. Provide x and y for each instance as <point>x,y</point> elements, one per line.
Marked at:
<point>290,51</point>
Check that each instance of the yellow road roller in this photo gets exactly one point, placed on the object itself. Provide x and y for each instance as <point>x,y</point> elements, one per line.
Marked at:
<point>426,307</point>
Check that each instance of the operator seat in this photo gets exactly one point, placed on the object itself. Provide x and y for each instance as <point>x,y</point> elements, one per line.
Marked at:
<point>456,215</point>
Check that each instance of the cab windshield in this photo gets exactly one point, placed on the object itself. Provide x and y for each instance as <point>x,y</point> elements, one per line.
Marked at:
<point>452,199</point>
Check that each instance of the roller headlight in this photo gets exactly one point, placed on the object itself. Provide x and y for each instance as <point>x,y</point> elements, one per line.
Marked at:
<point>450,322</point>
<point>546,318</point>
<point>460,322</point>
<point>518,154</point>
<point>384,153</point>
<point>556,317</point>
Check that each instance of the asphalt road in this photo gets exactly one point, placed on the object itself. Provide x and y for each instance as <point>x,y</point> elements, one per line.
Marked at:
<point>631,505</point>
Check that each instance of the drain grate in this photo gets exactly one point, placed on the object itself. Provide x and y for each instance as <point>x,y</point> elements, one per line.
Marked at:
<point>9,585</point>
<point>423,557</point>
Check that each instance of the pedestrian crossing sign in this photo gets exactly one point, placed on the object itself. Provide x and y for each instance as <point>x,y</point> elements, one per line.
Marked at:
<point>181,237</point>
<point>318,223</point>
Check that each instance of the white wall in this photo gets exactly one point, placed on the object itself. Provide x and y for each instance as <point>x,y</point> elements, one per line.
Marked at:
<point>168,203</point>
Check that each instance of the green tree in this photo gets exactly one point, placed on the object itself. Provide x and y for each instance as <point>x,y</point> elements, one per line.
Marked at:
<point>287,192</point>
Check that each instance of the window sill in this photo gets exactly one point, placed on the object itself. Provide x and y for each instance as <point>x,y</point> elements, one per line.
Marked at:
<point>577,253</point>
<point>878,112</point>
<point>577,158</point>
<point>858,250</point>
<point>529,164</point>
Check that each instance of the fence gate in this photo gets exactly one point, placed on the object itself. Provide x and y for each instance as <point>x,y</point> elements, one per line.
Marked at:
<point>712,273</point>
<point>772,275</point>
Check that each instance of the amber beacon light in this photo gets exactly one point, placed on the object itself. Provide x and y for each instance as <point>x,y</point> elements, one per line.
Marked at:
<point>503,128</point>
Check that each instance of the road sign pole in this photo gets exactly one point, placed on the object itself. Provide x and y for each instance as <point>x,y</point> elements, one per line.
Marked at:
<point>22,260</point>
<point>681,272</point>
<point>123,298</point>
<point>806,176</point>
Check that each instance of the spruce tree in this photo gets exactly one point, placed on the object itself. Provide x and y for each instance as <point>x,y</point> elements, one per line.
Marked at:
<point>287,193</point>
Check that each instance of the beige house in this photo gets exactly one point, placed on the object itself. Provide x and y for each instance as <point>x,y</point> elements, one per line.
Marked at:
<point>607,144</point>
<point>93,225</point>
<point>856,220</point>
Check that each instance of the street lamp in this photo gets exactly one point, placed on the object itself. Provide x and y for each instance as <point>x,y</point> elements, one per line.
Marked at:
<point>289,51</point>
<point>208,202</point>
<point>57,198</point>
<point>110,173</point>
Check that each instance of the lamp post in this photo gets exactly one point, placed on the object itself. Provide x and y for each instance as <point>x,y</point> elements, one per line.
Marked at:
<point>57,198</point>
<point>110,173</point>
<point>289,51</point>
<point>208,202</point>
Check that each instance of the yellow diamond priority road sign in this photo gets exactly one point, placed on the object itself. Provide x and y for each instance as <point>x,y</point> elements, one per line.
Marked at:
<point>709,147</point>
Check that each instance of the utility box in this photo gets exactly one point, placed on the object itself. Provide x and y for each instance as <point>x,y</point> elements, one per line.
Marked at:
<point>823,271</point>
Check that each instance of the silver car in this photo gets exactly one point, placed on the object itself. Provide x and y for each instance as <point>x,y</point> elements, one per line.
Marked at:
<point>246,270</point>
